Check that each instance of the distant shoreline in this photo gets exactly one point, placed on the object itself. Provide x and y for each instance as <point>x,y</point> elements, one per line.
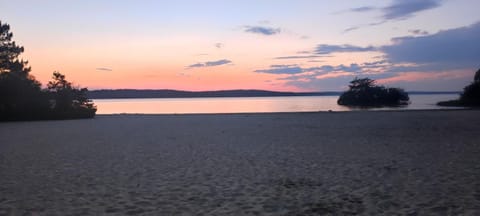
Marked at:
<point>165,93</point>
<point>454,109</point>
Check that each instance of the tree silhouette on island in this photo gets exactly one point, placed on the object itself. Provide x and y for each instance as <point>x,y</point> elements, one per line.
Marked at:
<point>22,96</point>
<point>470,96</point>
<point>365,93</point>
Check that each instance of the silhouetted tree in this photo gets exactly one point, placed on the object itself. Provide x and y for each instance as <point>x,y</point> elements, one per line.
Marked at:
<point>470,95</point>
<point>62,92</point>
<point>477,76</point>
<point>68,99</point>
<point>21,95</point>
<point>9,53</point>
<point>364,92</point>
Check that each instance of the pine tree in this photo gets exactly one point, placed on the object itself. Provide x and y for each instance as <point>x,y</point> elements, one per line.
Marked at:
<point>21,95</point>
<point>20,92</point>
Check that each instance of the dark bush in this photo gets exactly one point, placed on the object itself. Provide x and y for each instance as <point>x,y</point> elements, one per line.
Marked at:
<point>470,95</point>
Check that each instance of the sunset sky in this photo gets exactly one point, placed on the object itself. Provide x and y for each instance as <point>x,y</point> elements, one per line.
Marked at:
<point>296,45</point>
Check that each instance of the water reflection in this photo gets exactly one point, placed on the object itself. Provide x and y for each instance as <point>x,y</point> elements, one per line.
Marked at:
<point>247,105</point>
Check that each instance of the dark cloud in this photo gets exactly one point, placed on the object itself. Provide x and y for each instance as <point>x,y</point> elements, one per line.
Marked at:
<point>446,50</point>
<point>398,10</point>
<point>328,77</point>
<point>196,65</point>
<point>327,84</point>
<point>210,63</point>
<point>351,68</point>
<point>103,69</point>
<point>450,49</point>
<point>217,63</point>
<point>262,30</point>
<point>418,32</point>
<point>375,64</point>
<point>402,9</point>
<point>439,61</point>
<point>362,9</point>
<point>294,77</point>
<point>295,69</point>
<point>323,49</point>
<point>282,69</point>
<point>322,69</point>
<point>444,58</point>
<point>353,28</point>
<point>304,52</point>
<point>377,23</point>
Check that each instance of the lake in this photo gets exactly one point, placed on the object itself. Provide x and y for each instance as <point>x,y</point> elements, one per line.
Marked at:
<point>249,104</point>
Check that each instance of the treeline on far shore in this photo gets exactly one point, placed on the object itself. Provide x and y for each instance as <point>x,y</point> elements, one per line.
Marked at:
<point>167,93</point>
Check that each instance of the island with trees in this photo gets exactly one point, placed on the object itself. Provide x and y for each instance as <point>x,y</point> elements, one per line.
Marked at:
<point>365,93</point>
<point>470,97</point>
<point>22,96</point>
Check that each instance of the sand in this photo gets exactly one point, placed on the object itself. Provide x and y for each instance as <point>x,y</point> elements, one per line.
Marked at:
<point>353,163</point>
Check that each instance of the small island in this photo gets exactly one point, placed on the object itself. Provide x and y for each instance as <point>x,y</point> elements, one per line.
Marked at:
<point>365,93</point>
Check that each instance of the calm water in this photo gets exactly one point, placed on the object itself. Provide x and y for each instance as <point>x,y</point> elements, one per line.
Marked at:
<point>248,104</point>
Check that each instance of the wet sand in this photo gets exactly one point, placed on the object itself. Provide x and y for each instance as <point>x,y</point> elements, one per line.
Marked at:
<point>353,163</point>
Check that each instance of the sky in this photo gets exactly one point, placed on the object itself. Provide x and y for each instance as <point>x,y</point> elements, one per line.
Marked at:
<point>280,45</point>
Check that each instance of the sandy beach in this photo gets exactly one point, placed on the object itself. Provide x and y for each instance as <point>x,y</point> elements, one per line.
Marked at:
<point>349,163</point>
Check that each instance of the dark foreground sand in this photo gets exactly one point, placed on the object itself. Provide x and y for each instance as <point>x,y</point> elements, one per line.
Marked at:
<point>367,163</point>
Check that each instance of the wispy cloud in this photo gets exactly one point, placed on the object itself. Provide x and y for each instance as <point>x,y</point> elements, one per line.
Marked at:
<point>103,69</point>
<point>315,61</point>
<point>262,30</point>
<point>349,29</point>
<point>331,77</point>
<point>362,9</point>
<point>304,37</point>
<point>353,28</point>
<point>210,63</point>
<point>219,45</point>
<point>418,32</point>
<point>324,49</point>
<point>403,9</point>
<point>398,10</point>
<point>282,69</point>
<point>296,69</point>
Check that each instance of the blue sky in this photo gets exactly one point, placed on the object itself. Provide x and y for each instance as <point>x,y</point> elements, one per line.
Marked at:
<point>275,45</point>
